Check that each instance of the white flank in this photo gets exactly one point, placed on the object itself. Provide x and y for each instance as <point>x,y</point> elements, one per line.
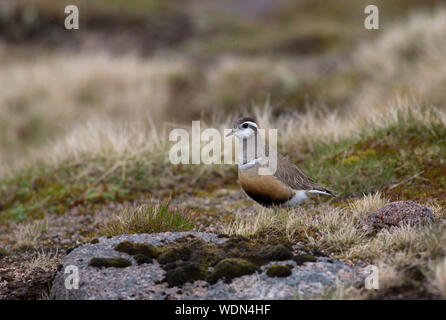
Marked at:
<point>297,199</point>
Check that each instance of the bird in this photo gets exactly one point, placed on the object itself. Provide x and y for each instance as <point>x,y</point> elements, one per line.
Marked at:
<point>287,186</point>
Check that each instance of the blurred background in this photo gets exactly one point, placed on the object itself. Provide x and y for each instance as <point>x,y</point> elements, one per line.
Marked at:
<point>179,60</point>
<point>84,118</point>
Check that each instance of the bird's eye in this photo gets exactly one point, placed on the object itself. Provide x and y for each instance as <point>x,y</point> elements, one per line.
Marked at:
<point>245,125</point>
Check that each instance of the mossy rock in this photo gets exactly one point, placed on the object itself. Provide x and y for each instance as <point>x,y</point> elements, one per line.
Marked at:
<point>109,262</point>
<point>278,270</point>
<point>133,248</point>
<point>142,258</point>
<point>301,259</point>
<point>277,253</point>
<point>179,273</point>
<point>174,253</point>
<point>231,268</point>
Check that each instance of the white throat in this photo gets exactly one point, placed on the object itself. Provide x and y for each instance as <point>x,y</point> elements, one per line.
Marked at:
<point>251,151</point>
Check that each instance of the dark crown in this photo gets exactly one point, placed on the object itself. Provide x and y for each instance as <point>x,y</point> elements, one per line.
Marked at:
<point>243,119</point>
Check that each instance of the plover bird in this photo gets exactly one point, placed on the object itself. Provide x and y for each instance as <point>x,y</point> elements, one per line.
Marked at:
<point>287,186</point>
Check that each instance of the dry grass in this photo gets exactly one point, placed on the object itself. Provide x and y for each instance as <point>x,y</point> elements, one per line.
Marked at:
<point>148,219</point>
<point>406,59</point>
<point>27,235</point>
<point>397,252</point>
<point>36,101</point>
<point>367,204</point>
<point>437,280</point>
<point>261,222</point>
<point>43,260</point>
<point>112,92</point>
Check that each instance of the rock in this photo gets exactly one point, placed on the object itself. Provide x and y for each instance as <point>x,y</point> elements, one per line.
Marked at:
<point>230,278</point>
<point>396,214</point>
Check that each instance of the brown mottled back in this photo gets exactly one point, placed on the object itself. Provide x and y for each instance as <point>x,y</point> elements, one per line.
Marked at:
<point>295,178</point>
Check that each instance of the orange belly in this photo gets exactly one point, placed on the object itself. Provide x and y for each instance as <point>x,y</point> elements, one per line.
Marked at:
<point>265,189</point>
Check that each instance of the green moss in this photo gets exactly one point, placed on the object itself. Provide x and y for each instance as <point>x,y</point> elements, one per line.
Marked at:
<point>134,248</point>
<point>236,256</point>
<point>142,258</point>
<point>94,241</point>
<point>278,253</point>
<point>179,273</point>
<point>230,268</point>
<point>300,259</point>
<point>278,270</point>
<point>174,253</point>
<point>109,262</point>
<point>188,258</point>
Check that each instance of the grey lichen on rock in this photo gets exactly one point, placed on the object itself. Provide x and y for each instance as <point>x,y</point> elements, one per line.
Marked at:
<point>238,261</point>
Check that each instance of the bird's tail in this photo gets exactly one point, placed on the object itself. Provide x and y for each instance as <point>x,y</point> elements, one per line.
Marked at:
<point>326,192</point>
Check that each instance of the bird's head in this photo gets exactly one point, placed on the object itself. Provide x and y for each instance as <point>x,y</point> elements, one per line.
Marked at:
<point>243,128</point>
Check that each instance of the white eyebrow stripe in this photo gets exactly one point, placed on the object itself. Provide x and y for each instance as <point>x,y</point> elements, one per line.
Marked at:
<point>250,123</point>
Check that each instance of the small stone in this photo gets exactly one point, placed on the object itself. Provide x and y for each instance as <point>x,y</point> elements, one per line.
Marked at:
<point>396,214</point>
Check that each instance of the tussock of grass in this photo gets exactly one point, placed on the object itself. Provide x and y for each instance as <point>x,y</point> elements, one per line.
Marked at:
<point>367,204</point>
<point>43,261</point>
<point>149,219</point>
<point>27,235</point>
